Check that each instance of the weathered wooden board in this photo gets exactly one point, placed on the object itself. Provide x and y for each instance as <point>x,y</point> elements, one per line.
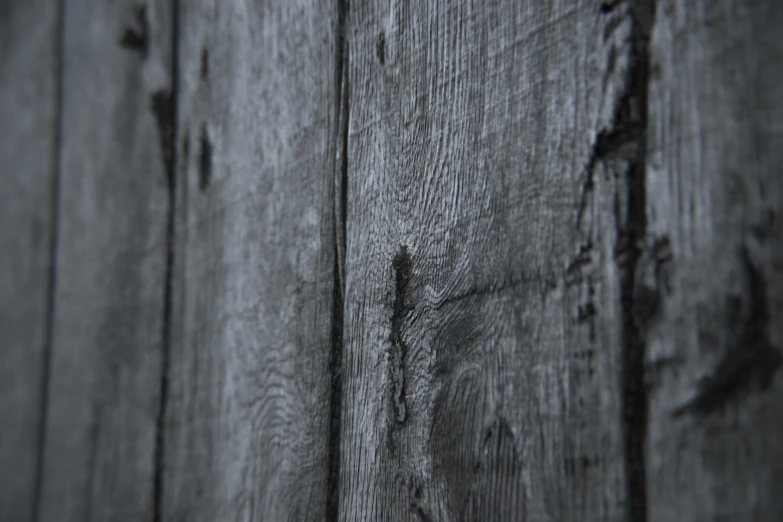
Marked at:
<point>715,195</point>
<point>100,436</point>
<point>247,423</point>
<point>491,148</point>
<point>28,123</point>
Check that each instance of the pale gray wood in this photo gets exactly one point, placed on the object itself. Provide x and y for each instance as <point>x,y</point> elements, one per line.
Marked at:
<point>28,121</point>
<point>484,340</point>
<point>99,454</point>
<point>247,422</point>
<point>715,190</point>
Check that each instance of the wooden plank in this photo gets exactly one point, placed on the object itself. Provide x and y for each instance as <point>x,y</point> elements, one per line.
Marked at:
<point>28,122</point>
<point>99,454</point>
<point>715,195</point>
<point>247,419</point>
<point>492,153</point>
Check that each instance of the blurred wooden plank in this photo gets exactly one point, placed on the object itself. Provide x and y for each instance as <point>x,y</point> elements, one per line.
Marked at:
<point>99,454</point>
<point>28,123</point>
<point>715,196</point>
<point>490,147</point>
<point>247,425</point>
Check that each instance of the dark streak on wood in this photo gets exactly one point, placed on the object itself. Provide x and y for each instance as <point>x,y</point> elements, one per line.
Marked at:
<point>204,159</point>
<point>402,266</point>
<point>162,105</point>
<point>137,38</point>
<point>53,247</point>
<point>204,69</point>
<point>380,48</point>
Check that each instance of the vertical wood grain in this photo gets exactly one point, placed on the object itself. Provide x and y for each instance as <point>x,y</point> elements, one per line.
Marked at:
<point>99,446</point>
<point>715,194</point>
<point>492,148</point>
<point>248,410</point>
<point>28,129</point>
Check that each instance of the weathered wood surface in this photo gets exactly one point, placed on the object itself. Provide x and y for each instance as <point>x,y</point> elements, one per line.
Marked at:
<point>103,391</point>
<point>555,227</point>
<point>28,119</point>
<point>484,338</point>
<point>715,195</point>
<point>247,423</point>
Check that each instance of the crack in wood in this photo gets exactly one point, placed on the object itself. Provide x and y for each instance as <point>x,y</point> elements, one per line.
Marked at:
<point>164,106</point>
<point>402,266</point>
<point>340,180</point>
<point>627,139</point>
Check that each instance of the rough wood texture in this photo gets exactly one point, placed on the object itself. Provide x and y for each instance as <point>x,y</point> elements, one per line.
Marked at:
<point>99,447</point>
<point>489,150</point>
<point>247,423</point>
<point>715,195</point>
<point>28,122</point>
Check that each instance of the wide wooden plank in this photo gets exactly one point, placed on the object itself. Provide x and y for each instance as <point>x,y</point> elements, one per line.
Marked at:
<point>492,153</point>
<point>28,122</point>
<point>103,401</point>
<point>247,423</point>
<point>715,195</point>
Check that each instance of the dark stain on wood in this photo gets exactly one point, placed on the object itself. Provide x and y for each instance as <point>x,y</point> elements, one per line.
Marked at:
<point>751,361</point>
<point>380,48</point>
<point>204,159</point>
<point>204,69</point>
<point>402,266</point>
<point>162,105</point>
<point>136,38</point>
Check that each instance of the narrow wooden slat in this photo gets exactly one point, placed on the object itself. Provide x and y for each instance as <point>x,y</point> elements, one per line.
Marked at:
<point>715,195</point>
<point>28,122</point>
<point>99,452</point>
<point>247,423</point>
<point>484,346</point>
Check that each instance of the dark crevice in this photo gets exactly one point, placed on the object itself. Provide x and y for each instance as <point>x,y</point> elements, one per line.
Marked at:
<point>629,132</point>
<point>54,244</point>
<point>340,134</point>
<point>402,266</point>
<point>168,129</point>
<point>204,159</point>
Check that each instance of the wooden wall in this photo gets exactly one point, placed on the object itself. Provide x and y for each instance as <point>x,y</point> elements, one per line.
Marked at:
<point>447,260</point>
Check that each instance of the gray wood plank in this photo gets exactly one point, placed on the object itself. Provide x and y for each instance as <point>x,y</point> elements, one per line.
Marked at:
<point>715,193</point>
<point>491,146</point>
<point>28,120</point>
<point>247,423</point>
<point>99,454</point>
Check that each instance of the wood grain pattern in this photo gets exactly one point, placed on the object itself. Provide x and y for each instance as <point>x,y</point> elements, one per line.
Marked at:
<point>247,423</point>
<point>715,193</point>
<point>99,451</point>
<point>28,122</point>
<point>491,148</point>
